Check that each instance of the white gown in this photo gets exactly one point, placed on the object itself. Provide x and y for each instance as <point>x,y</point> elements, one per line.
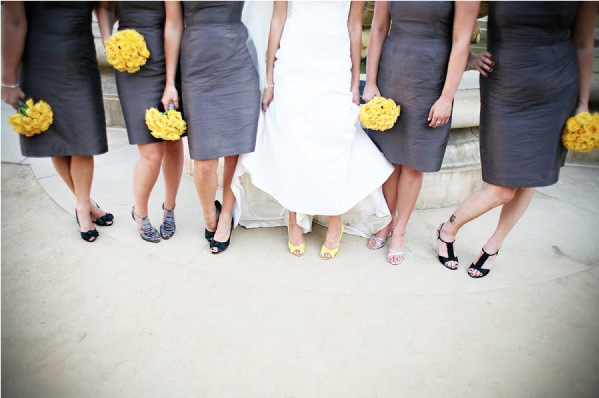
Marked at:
<point>311,155</point>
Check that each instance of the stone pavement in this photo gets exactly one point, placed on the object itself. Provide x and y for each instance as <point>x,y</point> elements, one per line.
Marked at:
<point>125,318</point>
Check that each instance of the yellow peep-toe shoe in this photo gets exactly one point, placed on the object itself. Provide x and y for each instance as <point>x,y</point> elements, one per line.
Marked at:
<point>332,252</point>
<point>293,249</point>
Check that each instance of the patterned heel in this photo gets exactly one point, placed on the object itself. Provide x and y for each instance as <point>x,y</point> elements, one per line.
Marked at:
<point>147,231</point>
<point>168,226</point>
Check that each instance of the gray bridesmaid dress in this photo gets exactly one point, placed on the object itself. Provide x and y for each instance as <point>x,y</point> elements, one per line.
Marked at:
<point>59,66</point>
<point>220,84</point>
<point>531,92</point>
<point>412,72</point>
<point>143,89</point>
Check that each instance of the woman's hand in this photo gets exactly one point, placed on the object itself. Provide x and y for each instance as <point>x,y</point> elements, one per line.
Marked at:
<point>170,95</point>
<point>370,91</point>
<point>483,63</point>
<point>582,108</point>
<point>11,95</point>
<point>440,112</point>
<point>267,96</point>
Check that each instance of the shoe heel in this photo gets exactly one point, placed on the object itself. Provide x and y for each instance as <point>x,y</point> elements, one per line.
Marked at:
<point>331,252</point>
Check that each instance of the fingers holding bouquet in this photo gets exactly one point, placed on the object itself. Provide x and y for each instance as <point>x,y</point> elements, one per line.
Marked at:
<point>11,94</point>
<point>370,91</point>
<point>170,96</point>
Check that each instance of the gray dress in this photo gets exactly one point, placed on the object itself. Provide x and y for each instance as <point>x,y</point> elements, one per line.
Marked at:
<point>59,66</point>
<point>529,95</point>
<point>220,84</point>
<point>143,89</point>
<point>412,72</point>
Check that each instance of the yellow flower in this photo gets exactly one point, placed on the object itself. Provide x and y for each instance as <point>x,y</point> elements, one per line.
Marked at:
<point>167,126</point>
<point>379,114</point>
<point>583,117</point>
<point>31,118</point>
<point>581,133</point>
<point>572,124</point>
<point>126,50</point>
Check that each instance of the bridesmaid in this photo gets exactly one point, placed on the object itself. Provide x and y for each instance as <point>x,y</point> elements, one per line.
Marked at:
<point>36,37</point>
<point>221,99</point>
<point>140,91</point>
<point>420,65</point>
<point>545,50</point>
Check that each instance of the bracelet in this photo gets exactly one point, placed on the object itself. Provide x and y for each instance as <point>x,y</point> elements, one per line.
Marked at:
<point>10,85</point>
<point>269,85</point>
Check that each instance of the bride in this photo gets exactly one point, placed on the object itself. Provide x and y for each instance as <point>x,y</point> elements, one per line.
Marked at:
<point>311,157</point>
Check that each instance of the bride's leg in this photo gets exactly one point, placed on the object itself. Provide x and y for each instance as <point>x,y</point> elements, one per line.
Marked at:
<point>296,235</point>
<point>332,240</point>
<point>379,239</point>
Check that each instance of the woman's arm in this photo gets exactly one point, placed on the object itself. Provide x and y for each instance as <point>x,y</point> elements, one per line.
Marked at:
<point>105,12</point>
<point>173,32</point>
<point>583,36</point>
<point>463,25</point>
<point>354,26</point>
<point>14,31</point>
<point>277,24</point>
<point>378,34</point>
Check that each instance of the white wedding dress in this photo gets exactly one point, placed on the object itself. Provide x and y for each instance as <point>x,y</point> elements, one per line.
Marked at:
<point>312,156</point>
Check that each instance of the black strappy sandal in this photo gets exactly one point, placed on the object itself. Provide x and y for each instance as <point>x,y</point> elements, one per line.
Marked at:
<point>209,235</point>
<point>168,226</point>
<point>106,220</point>
<point>479,265</point>
<point>451,255</point>
<point>221,246</point>
<point>89,236</point>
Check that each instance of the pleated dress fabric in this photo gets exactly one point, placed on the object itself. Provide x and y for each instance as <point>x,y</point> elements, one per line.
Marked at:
<point>312,157</point>
<point>143,89</point>
<point>220,83</point>
<point>59,66</point>
<point>412,72</point>
<point>530,94</point>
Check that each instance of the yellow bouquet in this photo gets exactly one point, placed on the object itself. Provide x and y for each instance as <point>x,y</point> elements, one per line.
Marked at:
<point>379,114</point>
<point>31,119</point>
<point>126,50</point>
<point>168,125</point>
<point>581,132</point>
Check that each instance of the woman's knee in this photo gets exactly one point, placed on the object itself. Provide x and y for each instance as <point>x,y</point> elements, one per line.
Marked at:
<point>204,168</point>
<point>502,194</point>
<point>152,153</point>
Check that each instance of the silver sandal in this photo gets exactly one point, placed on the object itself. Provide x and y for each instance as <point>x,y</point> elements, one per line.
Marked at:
<point>147,232</point>
<point>168,226</point>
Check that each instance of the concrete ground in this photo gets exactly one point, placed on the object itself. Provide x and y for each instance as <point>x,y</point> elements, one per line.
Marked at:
<point>125,318</point>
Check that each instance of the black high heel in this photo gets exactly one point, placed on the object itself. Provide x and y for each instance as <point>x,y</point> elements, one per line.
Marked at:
<point>451,255</point>
<point>209,235</point>
<point>479,265</point>
<point>106,220</point>
<point>221,246</point>
<point>89,236</point>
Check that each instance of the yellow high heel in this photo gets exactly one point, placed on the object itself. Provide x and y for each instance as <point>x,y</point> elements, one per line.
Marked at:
<point>332,252</point>
<point>293,249</point>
